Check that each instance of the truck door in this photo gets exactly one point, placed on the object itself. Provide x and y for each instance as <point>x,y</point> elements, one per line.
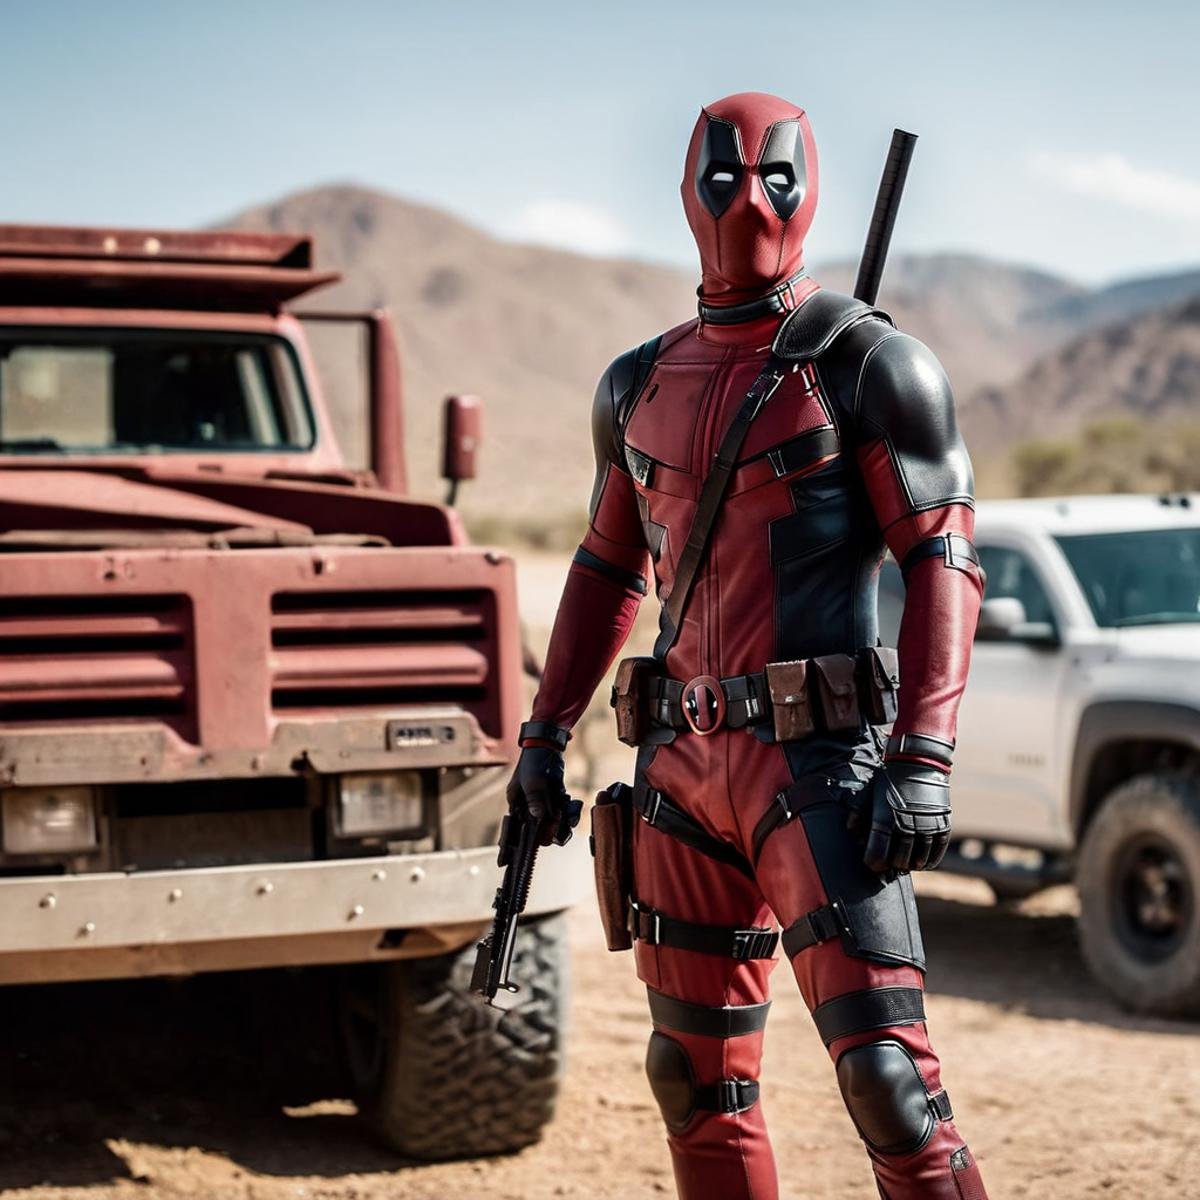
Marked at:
<point>1006,762</point>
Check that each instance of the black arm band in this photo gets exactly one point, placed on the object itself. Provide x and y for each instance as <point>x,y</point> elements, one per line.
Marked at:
<point>953,549</point>
<point>546,731</point>
<point>626,578</point>
<point>921,745</point>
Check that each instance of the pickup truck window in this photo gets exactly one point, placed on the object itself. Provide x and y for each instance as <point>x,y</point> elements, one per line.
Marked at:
<point>114,391</point>
<point>1142,577</point>
<point>1011,574</point>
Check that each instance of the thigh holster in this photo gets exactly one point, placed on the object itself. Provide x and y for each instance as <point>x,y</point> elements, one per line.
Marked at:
<point>875,916</point>
<point>611,843</point>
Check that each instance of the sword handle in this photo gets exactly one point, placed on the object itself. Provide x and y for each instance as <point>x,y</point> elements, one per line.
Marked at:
<point>883,219</point>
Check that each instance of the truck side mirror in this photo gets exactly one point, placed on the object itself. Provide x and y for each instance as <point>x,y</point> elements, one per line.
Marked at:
<point>462,432</point>
<point>998,618</point>
<point>1004,619</point>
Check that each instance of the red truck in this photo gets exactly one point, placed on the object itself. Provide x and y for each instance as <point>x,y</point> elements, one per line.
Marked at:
<point>256,708</point>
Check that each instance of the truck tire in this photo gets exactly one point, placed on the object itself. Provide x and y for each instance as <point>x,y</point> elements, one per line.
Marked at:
<point>1139,890</point>
<point>437,1073</point>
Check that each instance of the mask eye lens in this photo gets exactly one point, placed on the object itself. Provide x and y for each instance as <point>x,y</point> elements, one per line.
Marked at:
<point>719,168</point>
<point>780,177</point>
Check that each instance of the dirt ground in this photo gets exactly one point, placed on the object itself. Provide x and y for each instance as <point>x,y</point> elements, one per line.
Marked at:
<point>221,1087</point>
<point>224,1087</point>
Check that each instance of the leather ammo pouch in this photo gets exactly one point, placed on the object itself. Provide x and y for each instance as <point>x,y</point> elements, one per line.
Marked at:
<point>631,698</point>
<point>879,684</point>
<point>836,684</point>
<point>791,709</point>
<point>612,852</point>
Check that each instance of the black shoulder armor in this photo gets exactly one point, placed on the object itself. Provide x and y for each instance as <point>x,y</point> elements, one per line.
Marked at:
<point>904,397</point>
<point>615,394</point>
<point>810,330</point>
<point>885,385</point>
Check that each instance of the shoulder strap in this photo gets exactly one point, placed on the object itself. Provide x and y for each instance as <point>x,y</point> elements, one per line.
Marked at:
<point>803,335</point>
<point>711,494</point>
<point>627,376</point>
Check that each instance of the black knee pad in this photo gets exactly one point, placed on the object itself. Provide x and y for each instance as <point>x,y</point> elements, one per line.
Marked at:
<point>671,1080</point>
<point>679,1097</point>
<point>886,1097</point>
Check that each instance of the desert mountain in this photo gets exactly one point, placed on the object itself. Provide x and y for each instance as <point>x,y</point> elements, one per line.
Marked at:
<point>531,329</point>
<point>1081,310</point>
<point>1148,366</point>
<point>528,329</point>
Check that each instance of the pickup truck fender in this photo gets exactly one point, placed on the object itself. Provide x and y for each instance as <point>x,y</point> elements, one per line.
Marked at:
<point>1106,723</point>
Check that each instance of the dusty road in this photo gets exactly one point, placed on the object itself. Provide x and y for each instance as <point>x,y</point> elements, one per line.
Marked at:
<point>225,1088</point>
<point>222,1088</point>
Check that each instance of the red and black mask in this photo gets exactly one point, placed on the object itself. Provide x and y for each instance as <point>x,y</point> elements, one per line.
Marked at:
<point>749,191</point>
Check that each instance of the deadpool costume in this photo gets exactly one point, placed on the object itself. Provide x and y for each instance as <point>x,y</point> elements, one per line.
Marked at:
<point>774,812</point>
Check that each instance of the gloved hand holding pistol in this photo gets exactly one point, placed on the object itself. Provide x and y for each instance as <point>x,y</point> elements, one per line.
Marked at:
<point>537,785</point>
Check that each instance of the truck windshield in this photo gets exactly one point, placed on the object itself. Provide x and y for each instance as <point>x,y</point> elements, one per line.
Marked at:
<point>1144,577</point>
<point>117,391</point>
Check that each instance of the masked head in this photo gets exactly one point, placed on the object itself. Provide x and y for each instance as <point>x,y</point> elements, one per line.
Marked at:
<point>749,191</point>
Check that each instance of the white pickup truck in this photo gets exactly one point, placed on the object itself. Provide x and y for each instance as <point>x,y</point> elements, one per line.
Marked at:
<point>1078,751</point>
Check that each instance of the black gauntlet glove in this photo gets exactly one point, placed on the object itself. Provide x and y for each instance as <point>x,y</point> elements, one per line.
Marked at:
<point>537,788</point>
<point>904,816</point>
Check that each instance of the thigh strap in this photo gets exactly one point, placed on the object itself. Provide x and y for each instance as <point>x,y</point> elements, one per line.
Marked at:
<point>786,806</point>
<point>732,1020</point>
<point>657,929</point>
<point>656,810</point>
<point>725,1096</point>
<point>821,925</point>
<point>874,1008</point>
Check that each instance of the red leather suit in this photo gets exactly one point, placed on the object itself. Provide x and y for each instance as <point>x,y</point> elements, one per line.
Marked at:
<point>855,451</point>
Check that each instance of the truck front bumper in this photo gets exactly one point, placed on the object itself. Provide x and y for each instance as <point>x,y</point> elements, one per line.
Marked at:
<point>282,914</point>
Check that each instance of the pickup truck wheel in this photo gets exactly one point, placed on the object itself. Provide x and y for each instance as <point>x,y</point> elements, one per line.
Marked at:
<point>439,1074</point>
<point>1139,889</point>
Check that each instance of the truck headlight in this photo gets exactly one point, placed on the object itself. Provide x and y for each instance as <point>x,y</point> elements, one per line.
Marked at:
<point>379,803</point>
<point>49,820</point>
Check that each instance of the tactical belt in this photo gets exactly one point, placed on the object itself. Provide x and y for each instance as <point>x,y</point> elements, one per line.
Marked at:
<point>830,692</point>
<point>657,929</point>
<point>745,697</point>
<point>656,810</point>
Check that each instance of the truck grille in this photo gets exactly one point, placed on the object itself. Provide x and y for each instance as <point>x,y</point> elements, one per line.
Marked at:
<point>89,656</point>
<point>385,648</point>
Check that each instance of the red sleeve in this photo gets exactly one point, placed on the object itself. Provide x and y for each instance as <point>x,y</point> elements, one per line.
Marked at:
<point>918,476</point>
<point>604,587</point>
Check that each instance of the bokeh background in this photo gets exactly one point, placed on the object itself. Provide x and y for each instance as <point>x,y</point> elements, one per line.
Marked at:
<point>504,178</point>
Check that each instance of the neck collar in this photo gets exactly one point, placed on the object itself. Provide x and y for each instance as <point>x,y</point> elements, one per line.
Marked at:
<point>780,299</point>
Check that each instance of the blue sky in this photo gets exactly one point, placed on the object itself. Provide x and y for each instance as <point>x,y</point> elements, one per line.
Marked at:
<point>1063,135</point>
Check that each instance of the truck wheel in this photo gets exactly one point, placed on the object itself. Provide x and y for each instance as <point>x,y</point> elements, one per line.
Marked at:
<point>439,1074</point>
<point>1139,890</point>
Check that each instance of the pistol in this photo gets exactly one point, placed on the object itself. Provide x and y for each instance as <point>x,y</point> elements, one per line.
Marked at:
<point>519,841</point>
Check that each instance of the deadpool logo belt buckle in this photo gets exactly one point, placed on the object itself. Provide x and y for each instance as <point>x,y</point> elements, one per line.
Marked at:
<point>704,704</point>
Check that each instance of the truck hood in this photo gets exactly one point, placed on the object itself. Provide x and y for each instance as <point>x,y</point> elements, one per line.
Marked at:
<point>1159,642</point>
<point>107,507</point>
